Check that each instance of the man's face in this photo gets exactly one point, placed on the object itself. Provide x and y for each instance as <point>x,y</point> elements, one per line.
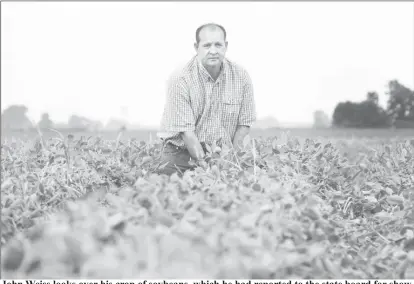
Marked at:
<point>212,47</point>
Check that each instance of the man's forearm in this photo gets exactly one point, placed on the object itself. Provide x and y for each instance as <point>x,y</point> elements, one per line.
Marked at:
<point>241,132</point>
<point>193,145</point>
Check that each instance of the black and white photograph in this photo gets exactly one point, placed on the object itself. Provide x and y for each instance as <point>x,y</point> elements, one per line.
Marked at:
<point>207,142</point>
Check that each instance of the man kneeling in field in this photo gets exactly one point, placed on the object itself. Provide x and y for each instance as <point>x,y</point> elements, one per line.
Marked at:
<point>211,98</point>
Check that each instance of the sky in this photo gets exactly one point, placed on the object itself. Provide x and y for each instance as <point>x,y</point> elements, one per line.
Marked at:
<point>108,59</point>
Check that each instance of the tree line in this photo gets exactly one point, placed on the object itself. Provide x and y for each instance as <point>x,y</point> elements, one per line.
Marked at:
<point>15,118</point>
<point>399,113</point>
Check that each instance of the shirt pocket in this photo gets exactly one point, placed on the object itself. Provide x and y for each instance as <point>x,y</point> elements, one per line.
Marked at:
<point>231,108</point>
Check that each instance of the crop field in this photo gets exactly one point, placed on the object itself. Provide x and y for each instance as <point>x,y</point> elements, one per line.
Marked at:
<point>146,134</point>
<point>304,205</point>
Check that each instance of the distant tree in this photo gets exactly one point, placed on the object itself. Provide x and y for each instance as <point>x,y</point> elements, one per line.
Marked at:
<point>345,115</point>
<point>320,119</point>
<point>45,121</point>
<point>400,104</point>
<point>81,122</point>
<point>14,117</point>
<point>76,121</point>
<point>373,97</point>
<point>366,114</point>
<point>372,115</point>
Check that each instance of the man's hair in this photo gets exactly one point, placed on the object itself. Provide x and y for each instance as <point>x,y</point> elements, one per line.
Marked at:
<point>209,25</point>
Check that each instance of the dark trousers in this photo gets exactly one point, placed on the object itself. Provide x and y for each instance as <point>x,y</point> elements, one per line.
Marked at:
<point>177,158</point>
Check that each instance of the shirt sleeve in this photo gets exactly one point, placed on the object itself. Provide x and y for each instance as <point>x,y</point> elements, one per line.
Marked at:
<point>178,114</point>
<point>247,114</point>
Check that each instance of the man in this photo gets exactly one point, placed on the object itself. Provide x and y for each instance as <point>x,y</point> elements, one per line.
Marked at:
<point>210,99</point>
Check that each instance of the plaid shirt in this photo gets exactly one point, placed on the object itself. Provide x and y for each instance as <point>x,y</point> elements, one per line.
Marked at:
<point>213,110</point>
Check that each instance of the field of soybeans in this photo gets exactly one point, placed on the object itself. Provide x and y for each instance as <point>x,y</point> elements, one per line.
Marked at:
<point>297,204</point>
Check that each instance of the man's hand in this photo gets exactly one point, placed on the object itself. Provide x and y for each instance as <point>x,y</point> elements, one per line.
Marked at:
<point>241,132</point>
<point>193,145</point>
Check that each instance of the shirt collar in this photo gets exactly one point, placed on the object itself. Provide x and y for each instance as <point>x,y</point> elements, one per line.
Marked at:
<point>204,73</point>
